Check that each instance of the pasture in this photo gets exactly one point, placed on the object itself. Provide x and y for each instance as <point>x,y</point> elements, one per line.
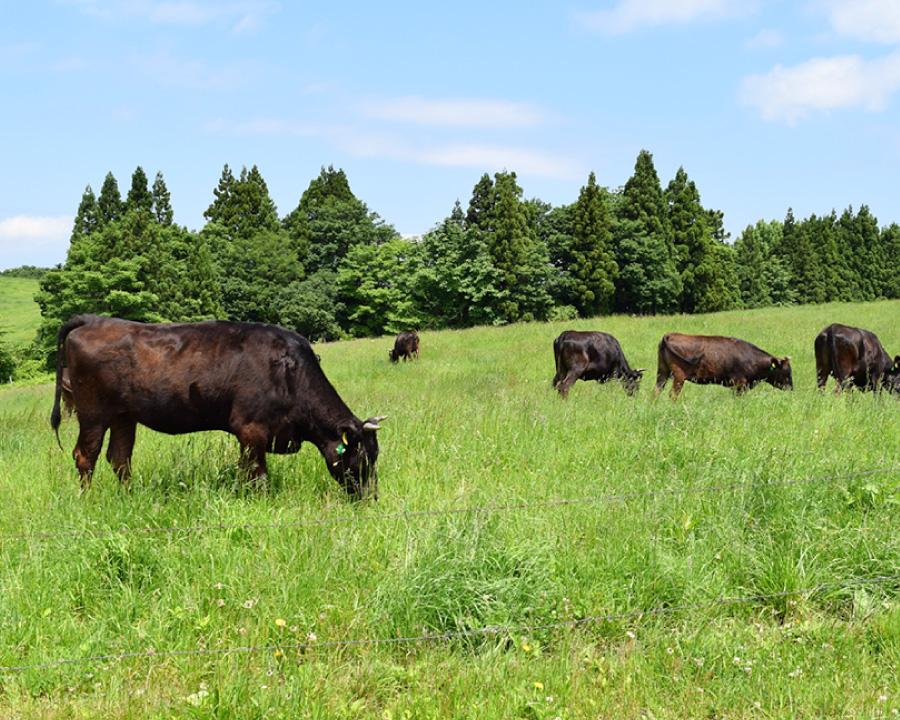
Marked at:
<point>20,316</point>
<point>606,556</point>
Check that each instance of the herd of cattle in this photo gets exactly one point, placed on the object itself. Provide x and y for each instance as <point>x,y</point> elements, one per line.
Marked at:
<point>855,357</point>
<point>265,385</point>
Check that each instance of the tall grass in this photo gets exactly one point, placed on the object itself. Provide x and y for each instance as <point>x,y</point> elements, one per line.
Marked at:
<point>579,557</point>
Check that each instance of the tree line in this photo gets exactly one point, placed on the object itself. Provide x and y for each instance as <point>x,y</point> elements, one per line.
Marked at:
<point>331,268</point>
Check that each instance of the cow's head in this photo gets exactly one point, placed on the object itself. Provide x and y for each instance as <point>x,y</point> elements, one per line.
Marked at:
<point>780,374</point>
<point>891,378</point>
<point>632,379</point>
<point>353,458</point>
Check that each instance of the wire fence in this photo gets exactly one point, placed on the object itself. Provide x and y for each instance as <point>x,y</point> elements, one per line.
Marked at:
<point>436,637</point>
<point>447,511</point>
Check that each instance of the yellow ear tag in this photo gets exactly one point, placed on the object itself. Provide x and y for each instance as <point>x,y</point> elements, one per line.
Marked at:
<point>344,438</point>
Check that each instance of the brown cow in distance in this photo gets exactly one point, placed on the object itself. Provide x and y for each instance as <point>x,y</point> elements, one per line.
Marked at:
<point>718,360</point>
<point>856,358</point>
<point>591,356</point>
<point>261,383</point>
<point>406,346</point>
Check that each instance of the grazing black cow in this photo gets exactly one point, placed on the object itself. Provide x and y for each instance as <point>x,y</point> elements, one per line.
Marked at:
<point>406,346</point>
<point>856,358</point>
<point>591,356</point>
<point>258,382</point>
<point>719,360</point>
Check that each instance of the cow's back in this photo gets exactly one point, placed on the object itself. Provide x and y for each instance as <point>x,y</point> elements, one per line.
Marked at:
<point>185,377</point>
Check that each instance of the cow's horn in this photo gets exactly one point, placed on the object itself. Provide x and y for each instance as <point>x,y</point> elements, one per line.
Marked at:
<point>642,370</point>
<point>371,426</point>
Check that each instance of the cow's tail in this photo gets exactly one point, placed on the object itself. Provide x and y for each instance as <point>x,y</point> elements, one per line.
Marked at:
<point>56,415</point>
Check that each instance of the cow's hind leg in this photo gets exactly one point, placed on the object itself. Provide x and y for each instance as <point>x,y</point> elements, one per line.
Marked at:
<point>87,450</point>
<point>569,381</point>
<point>677,383</point>
<point>121,445</point>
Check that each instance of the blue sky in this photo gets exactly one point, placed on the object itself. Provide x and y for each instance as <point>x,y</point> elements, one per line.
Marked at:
<point>766,104</point>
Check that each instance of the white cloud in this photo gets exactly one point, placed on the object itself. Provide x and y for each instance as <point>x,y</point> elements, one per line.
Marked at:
<point>847,81</point>
<point>869,20</point>
<point>524,161</point>
<point>455,113</point>
<point>165,69</point>
<point>37,229</point>
<point>40,241</point>
<point>630,15</point>
<point>363,143</point>
<point>245,14</point>
<point>765,39</point>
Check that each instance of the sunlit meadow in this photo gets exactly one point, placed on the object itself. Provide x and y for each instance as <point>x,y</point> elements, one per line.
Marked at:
<point>528,557</point>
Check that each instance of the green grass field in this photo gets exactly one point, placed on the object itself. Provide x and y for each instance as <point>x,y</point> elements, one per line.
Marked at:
<point>607,556</point>
<point>19,314</point>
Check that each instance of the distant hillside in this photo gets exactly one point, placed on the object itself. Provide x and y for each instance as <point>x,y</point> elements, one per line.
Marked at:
<point>20,316</point>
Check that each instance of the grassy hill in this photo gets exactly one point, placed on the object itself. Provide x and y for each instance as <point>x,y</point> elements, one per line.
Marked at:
<point>606,556</point>
<point>20,316</point>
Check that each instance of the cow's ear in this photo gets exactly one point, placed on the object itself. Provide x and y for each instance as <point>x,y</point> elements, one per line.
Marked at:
<point>896,364</point>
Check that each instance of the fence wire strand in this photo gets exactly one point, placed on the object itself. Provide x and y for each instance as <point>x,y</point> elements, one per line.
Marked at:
<point>493,630</point>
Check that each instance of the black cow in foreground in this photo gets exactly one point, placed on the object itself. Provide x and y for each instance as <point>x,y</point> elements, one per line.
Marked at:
<point>856,358</point>
<point>718,360</point>
<point>591,356</point>
<point>261,383</point>
<point>406,346</point>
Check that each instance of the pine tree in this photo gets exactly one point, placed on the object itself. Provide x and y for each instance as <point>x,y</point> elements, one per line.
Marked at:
<point>139,197</point>
<point>222,209</point>
<point>890,247</point>
<point>751,258</point>
<point>109,203</point>
<point>593,267</point>
<point>481,204</point>
<point>87,219</point>
<point>162,201</point>
<point>649,281</point>
<point>518,255</point>
<point>329,220</point>
<point>696,251</point>
<point>457,284</point>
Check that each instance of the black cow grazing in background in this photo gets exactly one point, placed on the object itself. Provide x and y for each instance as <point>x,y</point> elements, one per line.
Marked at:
<point>591,356</point>
<point>856,358</point>
<point>258,382</point>
<point>718,360</point>
<point>406,346</point>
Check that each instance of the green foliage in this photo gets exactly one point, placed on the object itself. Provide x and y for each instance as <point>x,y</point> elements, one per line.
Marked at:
<point>252,271</point>
<point>649,281</point>
<point>24,271</point>
<point>109,204</point>
<point>593,267</point>
<point>375,285</point>
<point>161,201</point>
<point>139,197</point>
<point>332,268</point>
<point>456,284</point>
<point>701,258</point>
<point>311,307</point>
